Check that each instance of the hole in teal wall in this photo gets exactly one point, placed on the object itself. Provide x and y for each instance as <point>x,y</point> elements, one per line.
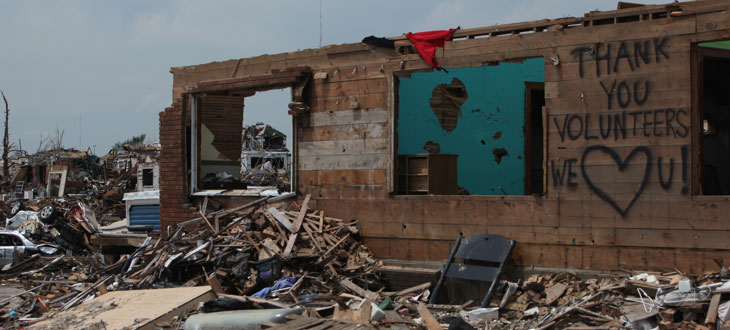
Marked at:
<point>489,115</point>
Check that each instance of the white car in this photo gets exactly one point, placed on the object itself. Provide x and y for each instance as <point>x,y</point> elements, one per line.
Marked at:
<point>13,242</point>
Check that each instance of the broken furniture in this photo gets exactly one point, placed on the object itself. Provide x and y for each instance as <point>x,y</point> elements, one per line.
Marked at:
<point>479,258</point>
<point>427,174</point>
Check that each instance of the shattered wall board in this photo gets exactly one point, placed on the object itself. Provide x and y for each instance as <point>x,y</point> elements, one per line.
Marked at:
<point>484,125</point>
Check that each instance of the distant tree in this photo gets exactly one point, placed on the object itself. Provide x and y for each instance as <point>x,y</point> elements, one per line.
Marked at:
<point>134,141</point>
<point>6,143</point>
<point>51,142</point>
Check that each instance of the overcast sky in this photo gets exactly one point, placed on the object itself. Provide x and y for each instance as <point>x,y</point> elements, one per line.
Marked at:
<point>99,70</point>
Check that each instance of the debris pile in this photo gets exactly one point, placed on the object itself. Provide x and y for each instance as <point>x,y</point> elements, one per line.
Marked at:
<point>548,301</point>
<point>69,174</point>
<point>69,224</point>
<point>245,249</point>
<point>280,265</point>
<point>264,157</point>
<point>64,196</point>
<point>266,250</point>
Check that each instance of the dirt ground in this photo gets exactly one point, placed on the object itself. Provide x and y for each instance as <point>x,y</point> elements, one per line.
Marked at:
<point>7,290</point>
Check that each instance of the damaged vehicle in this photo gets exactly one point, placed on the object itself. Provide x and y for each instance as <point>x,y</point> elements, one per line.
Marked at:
<point>14,247</point>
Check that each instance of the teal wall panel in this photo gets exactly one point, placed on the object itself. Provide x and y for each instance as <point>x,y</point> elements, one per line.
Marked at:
<point>495,103</point>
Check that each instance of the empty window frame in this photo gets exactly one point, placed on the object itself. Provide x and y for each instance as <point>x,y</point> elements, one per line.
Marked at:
<point>471,131</point>
<point>148,177</point>
<point>226,134</point>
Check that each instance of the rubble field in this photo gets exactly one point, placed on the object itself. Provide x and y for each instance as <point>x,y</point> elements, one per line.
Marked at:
<point>277,264</point>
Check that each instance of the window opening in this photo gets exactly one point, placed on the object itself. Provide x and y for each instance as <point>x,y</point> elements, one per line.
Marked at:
<point>148,176</point>
<point>242,142</point>
<point>471,130</point>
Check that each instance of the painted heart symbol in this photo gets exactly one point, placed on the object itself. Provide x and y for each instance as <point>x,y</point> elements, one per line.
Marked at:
<point>622,164</point>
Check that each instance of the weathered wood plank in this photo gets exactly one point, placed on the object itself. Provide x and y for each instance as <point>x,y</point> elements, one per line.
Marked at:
<point>344,147</point>
<point>365,116</point>
<point>343,162</point>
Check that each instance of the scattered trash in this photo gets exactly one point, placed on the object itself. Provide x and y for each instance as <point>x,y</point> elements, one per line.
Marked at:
<point>483,314</point>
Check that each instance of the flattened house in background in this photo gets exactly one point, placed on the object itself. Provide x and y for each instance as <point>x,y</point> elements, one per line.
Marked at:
<point>598,142</point>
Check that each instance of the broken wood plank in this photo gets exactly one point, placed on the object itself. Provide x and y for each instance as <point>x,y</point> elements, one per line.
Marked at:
<point>302,213</point>
<point>311,236</point>
<point>221,213</point>
<point>428,319</point>
<point>208,222</point>
<point>336,244</point>
<point>204,205</point>
<point>274,223</point>
<point>282,219</point>
<point>412,289</point>
<point>248,236</point>
<point>215,284</point>
<point>290,244</point>
<point>360,316</point>
<point>553,293</point>
<point>102,289</point>
<point>712,309</point>
<point>347,284</point>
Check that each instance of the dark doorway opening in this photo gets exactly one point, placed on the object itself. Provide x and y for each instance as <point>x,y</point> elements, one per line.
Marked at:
<point>534,147</point>
<point>714,102</point>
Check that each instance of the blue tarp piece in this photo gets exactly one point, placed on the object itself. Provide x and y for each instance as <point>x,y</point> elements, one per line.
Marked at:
<point>280,284</point>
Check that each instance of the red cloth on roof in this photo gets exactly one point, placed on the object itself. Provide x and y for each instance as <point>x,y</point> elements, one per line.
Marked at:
<point>426,43</point>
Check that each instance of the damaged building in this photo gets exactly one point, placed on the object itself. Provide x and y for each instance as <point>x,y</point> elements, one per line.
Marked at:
<point>596,142</point>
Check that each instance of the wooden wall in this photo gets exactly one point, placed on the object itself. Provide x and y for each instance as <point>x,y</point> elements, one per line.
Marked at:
<point>223,116</point>
<point>616,198</point>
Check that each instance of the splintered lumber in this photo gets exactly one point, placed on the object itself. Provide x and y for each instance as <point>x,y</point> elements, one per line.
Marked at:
<point>214,284</point>
<point>248,236</point>
<point>546,322</point>
<point>412,289</point>
<point>302,213</point>
<point>312,237</point>
<point>347,284</point>
<point>712,310</point>
<point>290,244</point>
<point>297,225</point>
<point>207,222</point>
<point>336,244</point>
<point>282,219</point>
<point>428,318</point>
<point>222,213</point>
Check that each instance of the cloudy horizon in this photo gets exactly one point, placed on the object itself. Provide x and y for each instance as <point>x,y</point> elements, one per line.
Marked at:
<point>99,70</point>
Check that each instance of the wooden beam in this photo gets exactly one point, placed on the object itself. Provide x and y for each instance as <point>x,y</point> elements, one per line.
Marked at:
<point>302,213</point>
<point>431,322</point>
<point>712,310</point>
<point>282,219</point>
<point>347,284</point>
<point>413,289</point>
